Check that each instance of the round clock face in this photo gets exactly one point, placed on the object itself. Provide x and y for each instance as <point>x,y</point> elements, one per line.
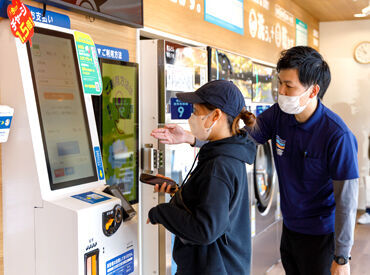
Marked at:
<point>362,52</point>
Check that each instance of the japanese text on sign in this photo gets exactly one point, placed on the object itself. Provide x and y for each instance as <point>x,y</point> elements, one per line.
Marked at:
<point>37,16</point>
<point>191,4</point>
<point>259,29</point>
<point>21,22</point>
<point>112,53</point>
<point>263,3</point>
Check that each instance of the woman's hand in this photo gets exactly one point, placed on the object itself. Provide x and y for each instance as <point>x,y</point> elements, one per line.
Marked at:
<point>173,134</point>
<point>164,188</point>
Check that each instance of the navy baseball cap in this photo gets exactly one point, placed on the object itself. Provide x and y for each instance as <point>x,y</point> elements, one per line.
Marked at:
<point>222,94</point>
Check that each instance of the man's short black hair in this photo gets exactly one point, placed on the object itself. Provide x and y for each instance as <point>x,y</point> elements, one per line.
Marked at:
<point>312,68</point>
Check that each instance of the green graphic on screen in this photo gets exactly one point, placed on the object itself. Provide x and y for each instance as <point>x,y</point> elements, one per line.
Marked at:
<point>119,127</point>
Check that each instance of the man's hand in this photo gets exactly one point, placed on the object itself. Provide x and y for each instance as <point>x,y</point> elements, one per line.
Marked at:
<point>337,269</point>
<point>173,134</point>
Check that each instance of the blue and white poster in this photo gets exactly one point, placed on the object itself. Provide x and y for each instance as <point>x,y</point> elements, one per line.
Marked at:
<point>227,14</point>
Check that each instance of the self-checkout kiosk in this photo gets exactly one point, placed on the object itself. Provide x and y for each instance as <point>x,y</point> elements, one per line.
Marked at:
<point>57,219</point>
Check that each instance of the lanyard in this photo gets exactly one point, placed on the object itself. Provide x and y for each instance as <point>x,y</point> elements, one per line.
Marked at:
<point>191,170</point>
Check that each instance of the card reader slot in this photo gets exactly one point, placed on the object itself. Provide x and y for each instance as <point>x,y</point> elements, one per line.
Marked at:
<point>128,212</point>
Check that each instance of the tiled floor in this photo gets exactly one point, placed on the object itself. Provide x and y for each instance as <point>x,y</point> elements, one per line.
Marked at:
<point>360,263</point>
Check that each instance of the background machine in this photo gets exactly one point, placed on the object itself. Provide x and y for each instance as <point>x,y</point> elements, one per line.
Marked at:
<point>233,67</point>
<point>265,198</point>
<point>167,68</point>
<point>57,220</point>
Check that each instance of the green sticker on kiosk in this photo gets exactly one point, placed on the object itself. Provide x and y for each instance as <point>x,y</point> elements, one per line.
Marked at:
<point>89,64</point>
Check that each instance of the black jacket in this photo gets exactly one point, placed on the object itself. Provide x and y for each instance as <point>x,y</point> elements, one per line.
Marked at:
<point>216,221</point>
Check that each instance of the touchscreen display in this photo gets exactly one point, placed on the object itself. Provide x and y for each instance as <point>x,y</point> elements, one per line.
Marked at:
<point>61,106</point>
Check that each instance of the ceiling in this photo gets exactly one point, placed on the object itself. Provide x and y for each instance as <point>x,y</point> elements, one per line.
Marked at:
<point>334,10</point>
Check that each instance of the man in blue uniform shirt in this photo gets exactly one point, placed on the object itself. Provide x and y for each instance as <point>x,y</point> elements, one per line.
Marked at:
<point>315,156</point>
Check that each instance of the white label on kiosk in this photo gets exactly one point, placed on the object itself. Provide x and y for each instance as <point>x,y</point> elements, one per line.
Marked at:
<point>6,116</point>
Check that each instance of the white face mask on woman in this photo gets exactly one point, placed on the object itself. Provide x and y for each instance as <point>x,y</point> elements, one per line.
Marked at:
<point>197,126</point>
<point>291,105</point>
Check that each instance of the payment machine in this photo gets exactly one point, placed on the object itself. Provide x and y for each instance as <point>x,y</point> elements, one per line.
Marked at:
<point>57,218</point>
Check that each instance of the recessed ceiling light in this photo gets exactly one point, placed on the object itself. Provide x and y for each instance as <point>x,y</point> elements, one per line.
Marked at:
<point>359,15</point>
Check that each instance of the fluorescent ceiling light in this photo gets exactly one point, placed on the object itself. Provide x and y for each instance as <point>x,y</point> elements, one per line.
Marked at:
<point>359,15</point>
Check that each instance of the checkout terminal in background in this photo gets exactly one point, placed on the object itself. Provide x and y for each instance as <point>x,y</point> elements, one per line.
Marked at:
<point>57,219</point>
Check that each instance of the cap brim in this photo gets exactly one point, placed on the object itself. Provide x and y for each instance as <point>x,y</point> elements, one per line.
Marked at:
<point>191,97</point>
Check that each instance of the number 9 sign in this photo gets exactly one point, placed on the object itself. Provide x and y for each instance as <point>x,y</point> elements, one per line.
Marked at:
<point>180,110</point>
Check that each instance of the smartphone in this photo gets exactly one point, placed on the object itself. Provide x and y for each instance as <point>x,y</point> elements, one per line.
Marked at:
<point>153,180</point>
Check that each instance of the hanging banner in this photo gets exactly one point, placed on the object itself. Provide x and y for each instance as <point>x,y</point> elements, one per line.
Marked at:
<point>21,23</point>
<point>89,65</point>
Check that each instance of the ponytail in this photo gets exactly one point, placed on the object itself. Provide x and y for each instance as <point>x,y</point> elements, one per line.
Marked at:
<point>248,118</point>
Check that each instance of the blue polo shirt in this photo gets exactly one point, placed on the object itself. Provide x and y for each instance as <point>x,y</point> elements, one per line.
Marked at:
<point>308,157</point>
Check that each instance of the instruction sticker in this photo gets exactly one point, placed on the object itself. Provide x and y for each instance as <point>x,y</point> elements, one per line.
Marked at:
<point>89,64</point>
<point>121,265</point>
<point>99,162</point>
<point>91,197</point>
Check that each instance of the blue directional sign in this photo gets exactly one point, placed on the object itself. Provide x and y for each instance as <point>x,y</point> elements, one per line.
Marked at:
<point>112,53</point>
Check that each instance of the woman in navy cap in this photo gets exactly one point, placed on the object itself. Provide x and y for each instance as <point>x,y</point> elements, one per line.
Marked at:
<point>209,214</point>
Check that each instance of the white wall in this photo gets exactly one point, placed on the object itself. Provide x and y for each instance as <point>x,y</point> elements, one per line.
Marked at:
<point>349,92</point>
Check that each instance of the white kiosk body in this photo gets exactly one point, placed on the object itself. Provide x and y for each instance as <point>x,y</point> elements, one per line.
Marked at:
<point>50,156</point>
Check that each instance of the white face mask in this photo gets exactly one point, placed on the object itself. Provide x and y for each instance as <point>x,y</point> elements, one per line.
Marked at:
<point>197,126</point>
<point>291,105</point>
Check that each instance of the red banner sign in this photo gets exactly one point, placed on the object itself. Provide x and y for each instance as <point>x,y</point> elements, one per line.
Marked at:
<point>21,22</point>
